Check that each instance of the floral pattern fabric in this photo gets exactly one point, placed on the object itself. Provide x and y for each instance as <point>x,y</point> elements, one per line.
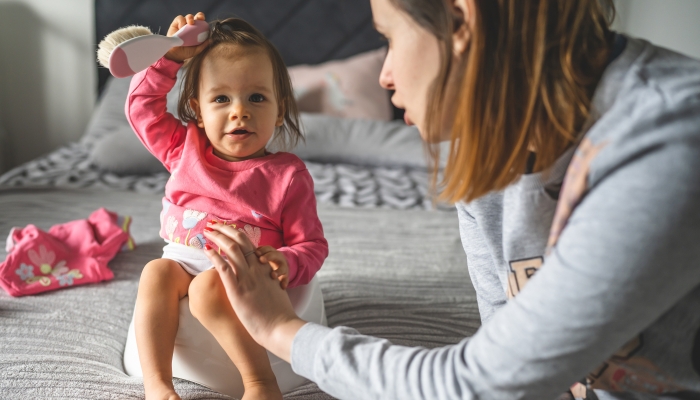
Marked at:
<point>185,226</point>
<point>69,254</point>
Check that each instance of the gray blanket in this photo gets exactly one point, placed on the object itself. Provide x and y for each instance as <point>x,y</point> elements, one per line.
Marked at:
<point>397,274</point>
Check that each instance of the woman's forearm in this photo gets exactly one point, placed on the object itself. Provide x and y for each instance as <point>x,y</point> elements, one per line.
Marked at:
<point>348,365</point>
<point>281,337</point>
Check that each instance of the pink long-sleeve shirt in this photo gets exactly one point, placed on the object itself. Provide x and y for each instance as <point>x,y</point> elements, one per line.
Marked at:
<point>270,198</point>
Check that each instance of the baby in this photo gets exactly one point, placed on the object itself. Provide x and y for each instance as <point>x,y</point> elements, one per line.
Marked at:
<point>235,97</point>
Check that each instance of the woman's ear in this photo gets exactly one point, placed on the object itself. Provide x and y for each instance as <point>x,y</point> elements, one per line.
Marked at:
<point>194,105</point>
<point>464,20</point>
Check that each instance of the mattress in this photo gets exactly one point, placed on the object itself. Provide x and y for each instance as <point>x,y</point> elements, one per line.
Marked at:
<point>396,274</point>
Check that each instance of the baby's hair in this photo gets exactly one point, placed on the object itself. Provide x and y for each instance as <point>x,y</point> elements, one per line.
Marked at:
<point>239,32</point>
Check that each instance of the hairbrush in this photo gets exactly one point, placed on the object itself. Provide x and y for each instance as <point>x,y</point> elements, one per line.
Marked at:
<point>129,50</point>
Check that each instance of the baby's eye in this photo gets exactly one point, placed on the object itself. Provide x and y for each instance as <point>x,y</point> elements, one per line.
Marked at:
<point>257,98</point>
<point>221,99</point>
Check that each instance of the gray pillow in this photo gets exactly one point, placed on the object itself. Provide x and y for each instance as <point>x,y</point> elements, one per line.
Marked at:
<point>114,146</point>
<point>360,141</point>
<point>122,153</point>
<point>112,143</point>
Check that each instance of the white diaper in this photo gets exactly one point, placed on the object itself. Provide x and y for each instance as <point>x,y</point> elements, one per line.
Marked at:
<point>192,260</point>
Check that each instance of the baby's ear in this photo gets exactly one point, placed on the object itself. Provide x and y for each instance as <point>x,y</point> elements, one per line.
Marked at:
<point>280,117</point>
<point>194,105</point>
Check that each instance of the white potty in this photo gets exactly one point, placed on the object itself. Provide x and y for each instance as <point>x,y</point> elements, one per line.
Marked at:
<point>199,358</point>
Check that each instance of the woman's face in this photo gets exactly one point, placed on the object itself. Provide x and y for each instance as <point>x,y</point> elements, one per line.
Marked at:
<point>412,63</point>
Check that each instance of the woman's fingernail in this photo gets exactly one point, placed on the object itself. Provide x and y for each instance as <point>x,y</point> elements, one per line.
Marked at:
<point>206,246</point>
<point>213,221</point>
<point>208,229</point>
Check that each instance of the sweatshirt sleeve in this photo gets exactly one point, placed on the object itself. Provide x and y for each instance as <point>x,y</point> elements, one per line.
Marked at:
<point>490,295</point>
<point>628,254</point>
<point>305,246</point>
<point>146,109</point>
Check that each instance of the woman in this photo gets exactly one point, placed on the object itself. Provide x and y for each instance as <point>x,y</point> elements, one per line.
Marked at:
<point>529,92</point>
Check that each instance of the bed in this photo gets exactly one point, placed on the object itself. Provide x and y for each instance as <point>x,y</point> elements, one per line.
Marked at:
<point>396,267</point>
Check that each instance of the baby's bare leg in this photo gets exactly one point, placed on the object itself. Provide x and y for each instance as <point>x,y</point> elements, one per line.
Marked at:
<point>163,283</point>
<point>210,305</point>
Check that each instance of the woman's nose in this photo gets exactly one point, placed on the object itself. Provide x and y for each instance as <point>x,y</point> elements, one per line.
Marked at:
<point>386,79</point>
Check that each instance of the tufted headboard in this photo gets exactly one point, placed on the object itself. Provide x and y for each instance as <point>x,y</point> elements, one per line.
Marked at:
<point>304,31</point>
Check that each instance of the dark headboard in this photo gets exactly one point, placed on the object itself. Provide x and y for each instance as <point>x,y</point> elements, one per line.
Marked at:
<point>304,31</point>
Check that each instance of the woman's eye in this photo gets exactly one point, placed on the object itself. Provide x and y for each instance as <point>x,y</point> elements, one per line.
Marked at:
<point>257,98</point>
<point>221,99</point>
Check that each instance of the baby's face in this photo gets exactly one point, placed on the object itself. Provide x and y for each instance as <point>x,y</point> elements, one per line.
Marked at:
<point>237,106</point>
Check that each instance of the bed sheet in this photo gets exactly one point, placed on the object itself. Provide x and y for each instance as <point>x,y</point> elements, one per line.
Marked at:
<point>397,274</point>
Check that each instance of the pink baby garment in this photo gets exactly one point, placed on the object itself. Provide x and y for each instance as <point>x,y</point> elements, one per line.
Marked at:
<point>73,253</point>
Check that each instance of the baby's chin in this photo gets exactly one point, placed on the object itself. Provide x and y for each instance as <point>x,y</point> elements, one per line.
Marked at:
<point>228,155</point>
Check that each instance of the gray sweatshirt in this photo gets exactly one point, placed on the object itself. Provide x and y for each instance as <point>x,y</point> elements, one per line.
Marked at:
<point>603,271</point>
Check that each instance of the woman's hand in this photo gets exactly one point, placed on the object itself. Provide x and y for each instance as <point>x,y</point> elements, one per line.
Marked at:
<point>262,306</point>
<point>182,53</point>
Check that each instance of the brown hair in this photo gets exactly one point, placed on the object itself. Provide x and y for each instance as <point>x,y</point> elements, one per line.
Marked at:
<point>239,32</point>
<point>526,82</point>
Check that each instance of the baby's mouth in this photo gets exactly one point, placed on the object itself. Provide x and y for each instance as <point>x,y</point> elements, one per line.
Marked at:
<point>239,134</point>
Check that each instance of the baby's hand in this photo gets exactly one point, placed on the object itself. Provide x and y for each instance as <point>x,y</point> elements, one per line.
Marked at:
<point>182,53</point>
<point>278,262</point>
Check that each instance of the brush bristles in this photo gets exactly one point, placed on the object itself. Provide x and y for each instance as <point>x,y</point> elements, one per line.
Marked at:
<point>114,39</point>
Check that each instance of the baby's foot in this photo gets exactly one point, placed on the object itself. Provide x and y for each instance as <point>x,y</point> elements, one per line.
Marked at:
<point>160,391</point>
<point>262,391</point>
<point>167,394</point>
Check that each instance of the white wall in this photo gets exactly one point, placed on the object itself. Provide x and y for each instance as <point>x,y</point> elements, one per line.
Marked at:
<point>674,24</point>
<point>3,146</point>
<point>47,75</point>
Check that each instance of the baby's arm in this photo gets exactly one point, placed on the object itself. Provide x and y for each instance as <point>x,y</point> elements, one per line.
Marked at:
<point>305,247</point>
<point>161,133</point>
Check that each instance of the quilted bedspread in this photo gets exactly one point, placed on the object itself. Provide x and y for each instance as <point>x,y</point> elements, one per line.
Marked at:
<point>397,274</point>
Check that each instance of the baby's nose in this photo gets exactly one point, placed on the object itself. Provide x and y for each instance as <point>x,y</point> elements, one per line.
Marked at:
<point>238,111</point>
